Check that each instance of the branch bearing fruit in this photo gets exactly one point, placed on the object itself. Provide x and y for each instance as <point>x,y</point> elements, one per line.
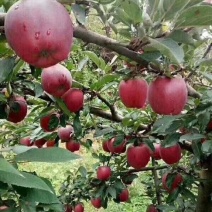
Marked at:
<point>56,80</point>
<point>72,146</point>
<point>171,155</point>
<point>167,96</point>
<point>79,208</point>
<point>133,93</point>
<point>104,173</point>
<point>40,32</point>
<point>174,183</point>
<point>66,133</point>
<point>97,203</point>
<point>73,99</point>
<point>138,156</point>
<point>124,196</point>
<point>18,109</point>
<point>50,122</point>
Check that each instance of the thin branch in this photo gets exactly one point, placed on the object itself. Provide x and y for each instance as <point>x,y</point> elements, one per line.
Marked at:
<point>207,51</point>
<point>148,169</point>
<point>192,92</point>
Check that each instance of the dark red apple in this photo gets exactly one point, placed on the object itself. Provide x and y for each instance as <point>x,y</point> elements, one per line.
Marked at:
<point>124,196</point>
<point>68,208</point>
<point>105,146</point>
<point>104,173</point>
<point>177,181</point>
<point>167,96</point>
<point>151,208</point>
<point>56,80</point>
<point>172,154</point>
<point>42,41</point>
<point>26,141</point>
<point>156,153</point>
<point>66,133</point>
<point>50,122</point>
<point>72,146</point>
<point>40,142</point>
<point>50,143</point>
<point>138,156</point>
<point>4,208</point>
<point>133,93</point>
<point>73,99</point>
<point>17,109</point>
<point>116,149</point>
<point>97,203</point>
<point>79,208</point>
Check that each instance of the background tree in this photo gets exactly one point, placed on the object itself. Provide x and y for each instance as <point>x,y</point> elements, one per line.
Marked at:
<point>137,80</point>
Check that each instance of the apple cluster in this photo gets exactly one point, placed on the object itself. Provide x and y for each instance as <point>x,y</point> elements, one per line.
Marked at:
<point>42,41</point>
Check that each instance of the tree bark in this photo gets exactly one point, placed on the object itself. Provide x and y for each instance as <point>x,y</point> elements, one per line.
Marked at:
<point>204,200</point>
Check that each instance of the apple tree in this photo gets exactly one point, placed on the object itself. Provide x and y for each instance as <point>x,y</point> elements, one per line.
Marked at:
<point>134,73</point>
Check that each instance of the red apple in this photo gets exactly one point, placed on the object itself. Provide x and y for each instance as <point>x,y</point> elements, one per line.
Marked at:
<point>72,146</point>
<point>17,109</point>
<point>104,173</point>
<point>133,93</point>
<point>167,96</point>
<point>68,208</point>
<point>50,122</point>
<point>97,203</point>
<point>138,156</point>
<point>151,208</point>
<point>105,146</point>
<point>73,99</point>
<point>156,153</point>
<point>3,208</point>
<point>79,208</point>
<point>40,142</point>
<point>124,196</point>
<point>56,80</point>
<point>66,133</point>
<point>177,181</point>
<point>26,141</point>
<point>172,154</point>
<point>50,143</point>
<point>116,149</point>
<point>42,41</point>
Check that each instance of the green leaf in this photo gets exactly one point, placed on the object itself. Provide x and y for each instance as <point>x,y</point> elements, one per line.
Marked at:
<point>6,167</point>
<point>207,146</point>
<point>208,76</point>
<point>38,89</point>
<point>119,140</point>
<point>206,62</point>
<point>196,16</point>
<point>79,13</point>
<point>41,196</point>
<point>169,8</point>
<point>106,1</point>
<point>48,155</point>
<point>77,125</point>
<point>191,137</point>
<point>168,48</point>
<point>181,37</point>
<point>163,124</point>
<point>62,105</point>
<point>82,171</point>
<point>100,63</point>
<point>133,10</point>
<point>6,68</point>
<point>112,191</point>
<point>103,81</point>
<point>196,147</point>
<point>121,16</point>
<point>173,196</point>
<point>171,139</point>
<point>26,180</point>
<point>18,149</point>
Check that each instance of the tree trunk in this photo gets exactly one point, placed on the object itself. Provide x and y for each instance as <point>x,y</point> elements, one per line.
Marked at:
<point>204,200</point>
